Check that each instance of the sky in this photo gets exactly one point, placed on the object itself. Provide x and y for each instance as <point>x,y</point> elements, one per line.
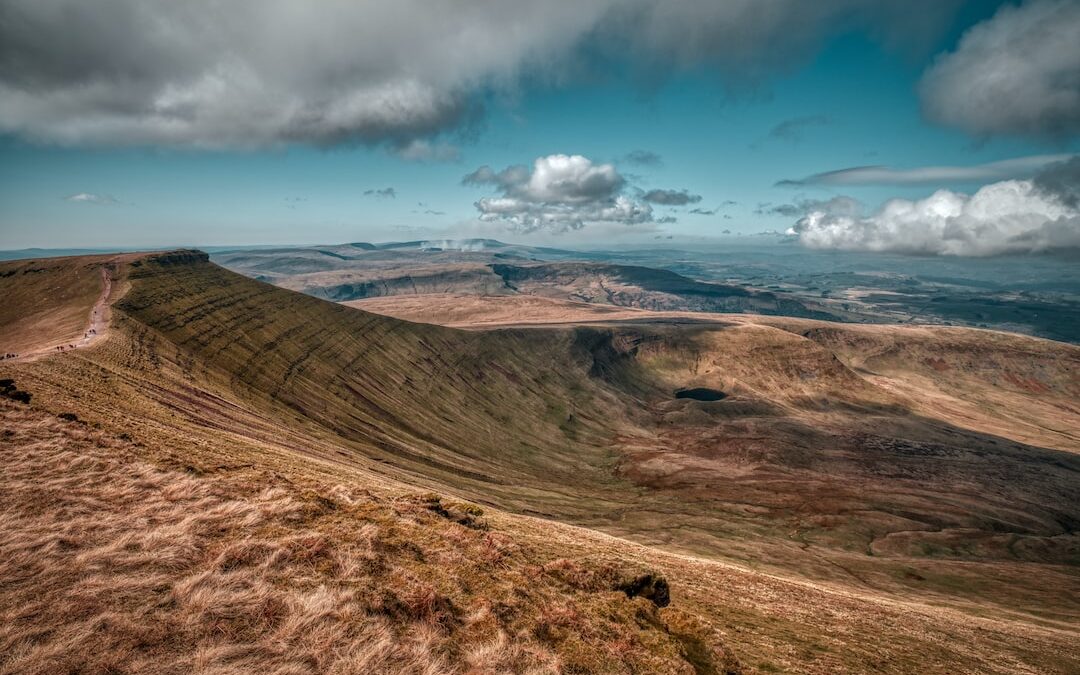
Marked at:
<point>930,127</point>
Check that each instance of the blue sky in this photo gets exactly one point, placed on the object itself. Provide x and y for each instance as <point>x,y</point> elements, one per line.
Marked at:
<point>848,102</point>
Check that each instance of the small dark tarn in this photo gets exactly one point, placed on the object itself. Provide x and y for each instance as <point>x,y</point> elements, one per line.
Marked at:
<point>701,394</point>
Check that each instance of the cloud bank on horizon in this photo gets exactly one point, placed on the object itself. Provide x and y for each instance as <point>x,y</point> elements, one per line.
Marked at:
<point>1010,216</point>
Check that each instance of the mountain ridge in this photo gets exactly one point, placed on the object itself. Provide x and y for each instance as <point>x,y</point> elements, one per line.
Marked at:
<point>208,369</point>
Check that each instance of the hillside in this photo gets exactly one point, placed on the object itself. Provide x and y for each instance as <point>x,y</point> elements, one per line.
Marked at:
<point>809,467</point>
<point>347,273</point>
<point>242,570</point>
<point>50,302</point>
<point>1020,388</point>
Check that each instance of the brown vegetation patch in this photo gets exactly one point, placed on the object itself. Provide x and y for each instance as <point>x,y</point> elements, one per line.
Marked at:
<point>111,564</point>
<point>10,391</point>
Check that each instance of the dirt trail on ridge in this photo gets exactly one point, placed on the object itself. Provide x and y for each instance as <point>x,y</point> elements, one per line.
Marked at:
<point>96,328</point>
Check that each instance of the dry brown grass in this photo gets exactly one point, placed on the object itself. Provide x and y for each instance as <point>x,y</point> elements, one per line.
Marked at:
<point>113,564</point>
<point>1014,386</point>
<point>45,302</point>
<point>109,564</point>
<point>48,302</point>
<point>461,310</point>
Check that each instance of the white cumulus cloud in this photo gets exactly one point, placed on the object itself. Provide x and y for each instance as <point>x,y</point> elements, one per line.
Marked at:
<point>1012,216</point>
<point>558,193</point>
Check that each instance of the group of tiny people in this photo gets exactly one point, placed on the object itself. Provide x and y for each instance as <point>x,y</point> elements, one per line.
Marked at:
<point>59,348</point>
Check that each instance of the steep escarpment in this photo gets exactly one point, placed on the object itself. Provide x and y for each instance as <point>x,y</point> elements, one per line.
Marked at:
<point>478,280</point>
<point>585,423</point>
<point>478,407</point>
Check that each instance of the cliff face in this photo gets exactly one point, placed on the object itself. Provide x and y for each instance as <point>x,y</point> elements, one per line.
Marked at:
<point>169,258</point>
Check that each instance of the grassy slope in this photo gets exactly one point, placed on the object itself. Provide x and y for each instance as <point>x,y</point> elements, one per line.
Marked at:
<point>1011,385</point>
<point>469,408</point>
<point>514,418</point>
<point>292,570</point>
<point>193,393</point>
<point>1014,386</point>
<point>47,301</point>
<point>111,564</point>
<point>358,275</point>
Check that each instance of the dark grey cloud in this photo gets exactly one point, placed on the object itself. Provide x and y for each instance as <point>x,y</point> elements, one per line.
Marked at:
<point>840,205</point>
<point>1016,73</point>
<point>667,220</point>
<point>788,210</point>
<point>1062,181</point>
<point>247,73</point>
<point>643,158</point>
<point>793,130</point>
<point>744,41</point>
<point>558,193</point>
<point>700,211</point>
<point>385,193</point>
<point>671,197</point>
<point>1020,167</point>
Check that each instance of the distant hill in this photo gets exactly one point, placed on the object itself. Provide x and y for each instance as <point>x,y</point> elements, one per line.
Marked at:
<point>32,253</point>
<point>488,267</point>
